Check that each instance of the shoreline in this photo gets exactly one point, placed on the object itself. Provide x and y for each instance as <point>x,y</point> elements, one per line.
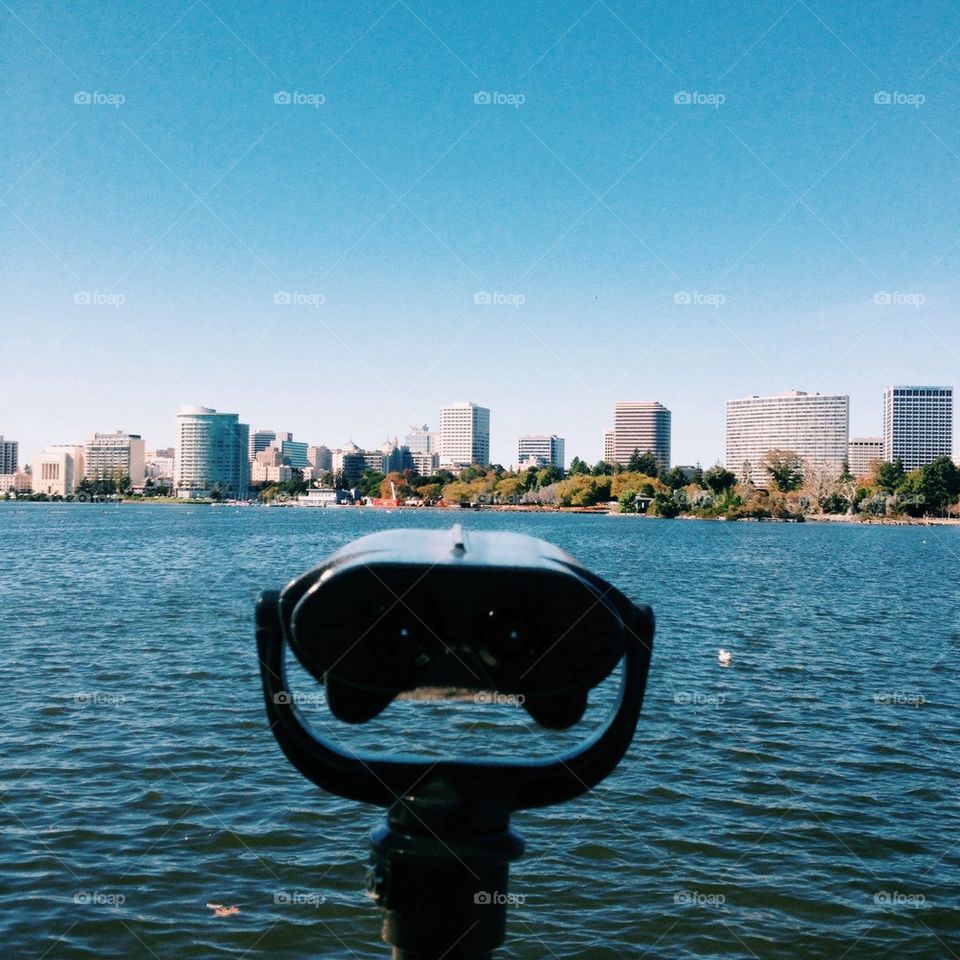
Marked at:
<point>857,520</point>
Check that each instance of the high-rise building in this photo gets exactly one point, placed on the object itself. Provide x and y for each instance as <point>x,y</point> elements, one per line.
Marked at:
<point>260,440</point>
<point>425,464</point>
<point>917,424</point>
<point>320,459</point>
<point>464,435</point>
<point>212,454</point>
<point>642,427</point>
<point>541,450</point>
<point>862,452</point>
<point>8,456</point>
<point>294,452</point>
<point>608,446</point>
<point>58,469</point>
<point>421,440</point>
<point>110,456</point>
<point>158,464</point>
<point>815,426</point>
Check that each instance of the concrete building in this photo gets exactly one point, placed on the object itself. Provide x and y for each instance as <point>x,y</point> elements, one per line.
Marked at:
<point>212,454</point>
<point>541,450</point>
<point>348,462</point>
<point>19,482</point>
<point>421,440</point>
<point>464,435</point>
<point>270,466</point>
<point>641,426</point>
<point>815,426</point>
<point>110,456</point>
<point>917,425</point>
<point>158,464</point>
<point>294,452</point>
<point>862,452</point>
<point>9,450</point>
<point>425,464</point>
<point>320,459</point>
<point>608,446</point>
<point>57,470</point>
<point>260,440</point>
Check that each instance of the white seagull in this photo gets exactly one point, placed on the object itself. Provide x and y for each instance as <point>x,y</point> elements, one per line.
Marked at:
<point>724,657</point>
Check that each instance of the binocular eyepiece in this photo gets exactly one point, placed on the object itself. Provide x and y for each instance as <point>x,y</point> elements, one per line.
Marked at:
<point>401,610</point>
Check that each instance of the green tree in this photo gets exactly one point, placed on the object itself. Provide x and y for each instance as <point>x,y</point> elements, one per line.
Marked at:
<point>370,481</point>
<point>785,468</point>
<point>889,476</point>
<point>719,479</point>
<point>602,469</point>
<point>578,467</point>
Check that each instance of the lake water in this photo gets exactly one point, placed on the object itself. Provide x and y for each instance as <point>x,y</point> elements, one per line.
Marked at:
<point>804,802</point>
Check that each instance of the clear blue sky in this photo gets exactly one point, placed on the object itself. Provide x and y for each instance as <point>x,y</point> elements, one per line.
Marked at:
<point>784,210</point>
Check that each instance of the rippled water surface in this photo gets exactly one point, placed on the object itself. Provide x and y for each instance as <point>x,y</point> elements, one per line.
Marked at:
<point>804,802</point>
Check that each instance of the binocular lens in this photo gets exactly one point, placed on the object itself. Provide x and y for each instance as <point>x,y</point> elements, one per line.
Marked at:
<point>509,636</point>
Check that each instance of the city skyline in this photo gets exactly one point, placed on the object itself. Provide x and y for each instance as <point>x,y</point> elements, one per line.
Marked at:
<point>206,209</point>
<point>421,436</point>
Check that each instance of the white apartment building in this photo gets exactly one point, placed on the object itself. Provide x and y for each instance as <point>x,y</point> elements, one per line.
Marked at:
<point>424,463</point>
<point>464,435</point>
<point>642,426</point>
<point>212,453</point>
<point>917,425</point>
<point>57,470</point>
<point>158,464</point>
<point>109,456</point>
<point>541,450</point>
<point>8,456</point>
<point>608,446</point>
<point>861,454</point>
<point>815,426</point>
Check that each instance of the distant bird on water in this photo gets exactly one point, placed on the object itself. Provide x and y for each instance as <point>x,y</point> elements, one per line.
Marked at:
<point>724,657</point>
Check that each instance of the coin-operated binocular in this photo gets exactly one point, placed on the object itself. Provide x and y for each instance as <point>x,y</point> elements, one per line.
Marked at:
<point>406,609</point>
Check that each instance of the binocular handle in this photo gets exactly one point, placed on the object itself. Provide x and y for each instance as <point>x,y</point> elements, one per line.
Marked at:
<point>384,782</point>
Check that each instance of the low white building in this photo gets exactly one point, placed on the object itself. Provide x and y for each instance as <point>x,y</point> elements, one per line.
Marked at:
<point>57,470</point>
